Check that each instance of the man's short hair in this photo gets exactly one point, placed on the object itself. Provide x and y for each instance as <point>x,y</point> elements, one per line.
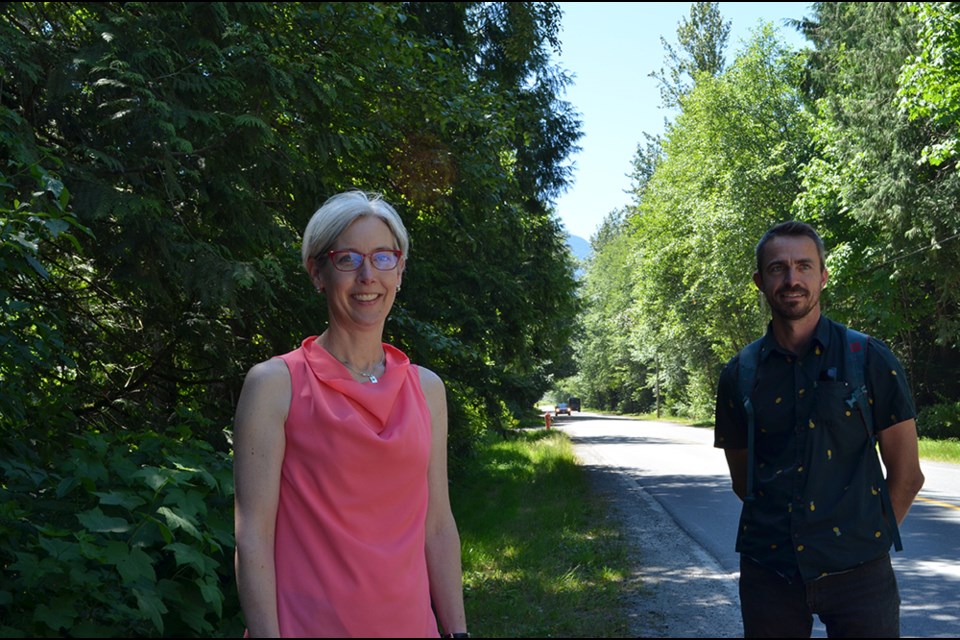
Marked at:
<point>791,228</point>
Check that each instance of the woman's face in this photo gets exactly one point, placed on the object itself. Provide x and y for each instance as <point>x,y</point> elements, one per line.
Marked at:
<point>361,298</point>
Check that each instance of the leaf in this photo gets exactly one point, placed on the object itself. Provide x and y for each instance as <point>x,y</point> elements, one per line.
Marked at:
<point>133,564</point>
<point>37,267</point>
<point>56,617</point>
<point>153,477</point>
<point>96,521</point>
<point>177,521</point>
<point>56,226</point>
<point>125,499</point>
<point>151,606</point>
<point>191,556</point>
<point>62,550</point>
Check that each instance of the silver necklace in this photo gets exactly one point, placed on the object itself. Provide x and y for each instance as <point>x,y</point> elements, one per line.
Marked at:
<point>369,376</point>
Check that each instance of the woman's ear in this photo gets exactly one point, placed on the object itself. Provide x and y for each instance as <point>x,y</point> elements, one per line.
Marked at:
<point>316,276</point>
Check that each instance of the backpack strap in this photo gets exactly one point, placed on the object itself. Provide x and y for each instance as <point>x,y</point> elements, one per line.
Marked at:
<point>746,380</point>
<point>855,367</point>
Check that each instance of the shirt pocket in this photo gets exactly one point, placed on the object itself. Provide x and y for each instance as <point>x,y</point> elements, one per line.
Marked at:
<point>836,420</point>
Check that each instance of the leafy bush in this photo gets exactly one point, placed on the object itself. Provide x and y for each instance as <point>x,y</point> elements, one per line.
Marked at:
<point>128,535</point>
<point>940,421</point>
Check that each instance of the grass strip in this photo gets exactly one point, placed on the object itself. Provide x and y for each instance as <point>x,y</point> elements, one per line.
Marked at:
<point>540,557</point>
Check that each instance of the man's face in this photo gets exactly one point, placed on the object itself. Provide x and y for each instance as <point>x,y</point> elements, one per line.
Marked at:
<point>791,277</point>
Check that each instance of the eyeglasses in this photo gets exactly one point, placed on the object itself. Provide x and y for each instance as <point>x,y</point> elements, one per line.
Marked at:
<point>381,260</point>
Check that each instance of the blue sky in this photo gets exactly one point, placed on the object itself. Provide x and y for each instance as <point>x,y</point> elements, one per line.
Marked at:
<point>611,48</point>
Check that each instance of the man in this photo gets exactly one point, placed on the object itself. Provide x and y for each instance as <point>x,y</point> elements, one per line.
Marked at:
<point>818,517</point>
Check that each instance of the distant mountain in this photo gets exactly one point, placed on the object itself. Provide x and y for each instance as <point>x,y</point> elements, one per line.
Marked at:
<point>579,247</point>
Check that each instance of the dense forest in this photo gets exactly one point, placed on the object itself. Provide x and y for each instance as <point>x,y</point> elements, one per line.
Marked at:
<point>856,134</point>
<point>160,160</point>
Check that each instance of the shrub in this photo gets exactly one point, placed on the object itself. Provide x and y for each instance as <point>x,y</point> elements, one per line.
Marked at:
<point>939,421</point>
<point>126,536</point>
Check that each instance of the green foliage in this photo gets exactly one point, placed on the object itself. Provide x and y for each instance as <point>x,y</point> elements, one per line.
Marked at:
<point>930,79</point>
<point>887,214</point>
<point>681,300</point>
<point>124,535</point>
<point>939,421</point>
<point>36,365</point>
<point>608,361</point>
<point>702,40</point>
<point>855,135</point>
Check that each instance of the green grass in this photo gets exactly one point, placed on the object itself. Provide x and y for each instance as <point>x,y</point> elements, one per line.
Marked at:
<point>540,557</point>
<point>940,450</point>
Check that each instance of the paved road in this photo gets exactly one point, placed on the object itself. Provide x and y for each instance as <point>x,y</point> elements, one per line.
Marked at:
<point>671,488</point>
<point>691,594</point>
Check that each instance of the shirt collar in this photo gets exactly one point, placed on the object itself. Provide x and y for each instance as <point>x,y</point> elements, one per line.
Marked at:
<point>821,338</point>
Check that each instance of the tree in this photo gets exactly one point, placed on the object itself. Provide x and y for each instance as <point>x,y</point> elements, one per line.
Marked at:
<point>702,39</point>
<point>608,367</point>
<point>726,168</point>
<point>886,210</point>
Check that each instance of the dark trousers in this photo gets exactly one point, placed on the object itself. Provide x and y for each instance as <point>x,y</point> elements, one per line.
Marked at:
<point>860,603</point>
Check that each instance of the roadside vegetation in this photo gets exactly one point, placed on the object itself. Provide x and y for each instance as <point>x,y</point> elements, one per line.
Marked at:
<point>540,557</point>
<point>945,448</point>
<point>940,450</point>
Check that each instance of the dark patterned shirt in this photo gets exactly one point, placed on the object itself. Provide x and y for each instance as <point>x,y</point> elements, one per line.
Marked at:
<point>817,475</point>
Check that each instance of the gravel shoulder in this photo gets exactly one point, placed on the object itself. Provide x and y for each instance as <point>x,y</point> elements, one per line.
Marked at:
<point>680,590</point>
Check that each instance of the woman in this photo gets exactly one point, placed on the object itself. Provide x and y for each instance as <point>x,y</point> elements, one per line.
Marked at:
<point>343,520</point>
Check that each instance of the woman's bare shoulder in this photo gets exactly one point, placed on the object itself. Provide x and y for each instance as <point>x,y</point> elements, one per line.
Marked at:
<point>430,381</point>
<point>269,371</point>
<point>267,383</point>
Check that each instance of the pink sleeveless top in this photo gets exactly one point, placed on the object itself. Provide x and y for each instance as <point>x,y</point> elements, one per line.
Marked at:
<point>353,501</point>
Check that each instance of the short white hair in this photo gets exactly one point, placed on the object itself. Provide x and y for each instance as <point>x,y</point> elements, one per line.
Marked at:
<point>338,213</point>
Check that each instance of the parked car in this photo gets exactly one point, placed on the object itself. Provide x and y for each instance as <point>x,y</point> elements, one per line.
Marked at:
<point>563,407</point>
<point>574,404</point>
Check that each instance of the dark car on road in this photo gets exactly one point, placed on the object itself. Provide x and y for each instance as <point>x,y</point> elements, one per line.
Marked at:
<point>574,404</point>
<point>562,407</point>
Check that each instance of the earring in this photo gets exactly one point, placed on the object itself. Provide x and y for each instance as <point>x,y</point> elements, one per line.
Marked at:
<point>398,288</point>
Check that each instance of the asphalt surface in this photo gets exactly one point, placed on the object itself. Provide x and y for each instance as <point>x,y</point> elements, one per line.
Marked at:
<point>681,591</point>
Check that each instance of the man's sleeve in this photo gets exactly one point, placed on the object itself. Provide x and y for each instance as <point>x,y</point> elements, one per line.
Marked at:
<point>730,421</point>
<point>887,387</point>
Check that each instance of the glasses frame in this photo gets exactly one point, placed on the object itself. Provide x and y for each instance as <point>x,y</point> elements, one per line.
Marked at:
<point>364,256</point>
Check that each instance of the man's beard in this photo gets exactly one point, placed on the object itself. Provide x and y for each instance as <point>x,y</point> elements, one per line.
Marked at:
<point>796,309</point>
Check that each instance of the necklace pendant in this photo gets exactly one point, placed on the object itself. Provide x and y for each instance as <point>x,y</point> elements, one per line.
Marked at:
<point>373,379</point>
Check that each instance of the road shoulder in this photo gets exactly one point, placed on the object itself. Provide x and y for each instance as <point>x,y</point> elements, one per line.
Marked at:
<point>681,590</point>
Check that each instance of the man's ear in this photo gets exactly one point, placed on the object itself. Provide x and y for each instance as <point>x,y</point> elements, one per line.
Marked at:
<point>758,280</point>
